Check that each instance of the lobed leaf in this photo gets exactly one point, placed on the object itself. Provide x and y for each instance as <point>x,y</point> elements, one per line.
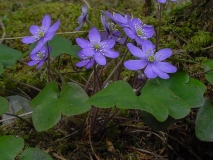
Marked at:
<point>35,154</point>
<point>204,122</point>
<point>49,105</point>
<point>8,56</point>
<point>10,147</point>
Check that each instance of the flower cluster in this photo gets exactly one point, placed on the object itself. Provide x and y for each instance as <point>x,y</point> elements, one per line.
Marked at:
<point>95,49</point>
<point>41,35</point>
<point>100,45</point>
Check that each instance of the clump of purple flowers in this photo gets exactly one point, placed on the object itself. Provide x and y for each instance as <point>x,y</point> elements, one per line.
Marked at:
<point>150,60</point>
<point>39,57</point>
<point>95,49</point>
<point>41,34</point>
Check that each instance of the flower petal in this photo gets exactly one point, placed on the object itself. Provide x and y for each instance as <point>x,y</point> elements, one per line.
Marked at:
<point>82,63</point>
<point>79,27</point>
<point>147,46</point>
<point>107,44</point>
<point>161,1</point>
<point>88,51</point>
<point>148,30</point>
<point>32,63</point>
<point>34,29</point>
<point>51,32</point>
<point>162,54</point>
<point>83,43</point>
<point>137,52</point>
<point>29,40</point>
<point>135,64</point>
<point>94,35</point>
<point>129,33</point>
<point>40,63</point>
<point>90,63</point>
<point>46,22</point>
<point>100,59</point>
<point>39,45</point>
<point>149,72</point>
<point>160,73</point>
<point>110,53</point>
<point>166,67</point>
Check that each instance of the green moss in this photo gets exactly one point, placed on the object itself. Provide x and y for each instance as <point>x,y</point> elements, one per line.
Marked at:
<point>199,41</point>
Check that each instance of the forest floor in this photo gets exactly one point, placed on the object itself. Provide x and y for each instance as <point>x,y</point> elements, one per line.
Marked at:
<point>129,138</point>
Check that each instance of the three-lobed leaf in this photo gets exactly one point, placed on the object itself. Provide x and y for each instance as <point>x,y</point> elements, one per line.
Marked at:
<point>119,94</point>
<point>49,104</point>
<point>174,96</point>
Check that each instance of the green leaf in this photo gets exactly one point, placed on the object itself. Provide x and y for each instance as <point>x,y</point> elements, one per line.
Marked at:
<point>47,112</point>
<point>35,154</point>
<point>8,56</point>
<point>154,123</point>
<point>208,63</point>
<point>74,51</point>
<point>73,100</point>
<point>209,75</point>
<point>1,68</point>
<point>3,105</point>
<point>209,66</point>
<point>118,93</point>
<point>59,45</point>
<point>160,101</point>
<point>204,122</point>
<point>10,147</point>
<point>48,106</point>
<point>174,96</point>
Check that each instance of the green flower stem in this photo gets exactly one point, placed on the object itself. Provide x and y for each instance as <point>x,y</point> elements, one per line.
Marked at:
<point>48,63</point>
<point>159,25</point>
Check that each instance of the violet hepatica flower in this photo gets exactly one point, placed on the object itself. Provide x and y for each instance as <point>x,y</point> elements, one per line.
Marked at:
<point>151,61</point>
<point>139,31</point>
<point>39,57</point>
<point>110,32</point>
<point>41,34</point>
<point>117,18</point>
<point>86,61</point>
<point>97,48</point>
<point>83,17</point>
<point>164,1</point>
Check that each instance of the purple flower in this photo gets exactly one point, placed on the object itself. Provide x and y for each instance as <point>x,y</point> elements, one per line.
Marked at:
<point>139,31</point>
<point>110,32</point>
<point>41,34</point>
<point>97,48</point>
<point>39,57</point>
<point>164,1</point>
<point>151,61</point>
<point>83,17</point>
<point>117,18</point>
<point>86,61</point>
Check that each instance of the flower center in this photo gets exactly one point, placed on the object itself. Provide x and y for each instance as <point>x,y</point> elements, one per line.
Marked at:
<point>151,58</point>
<point>40,33</point>
<point>139,33</point>
<point>40,56</point>
<point>97,47</point>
